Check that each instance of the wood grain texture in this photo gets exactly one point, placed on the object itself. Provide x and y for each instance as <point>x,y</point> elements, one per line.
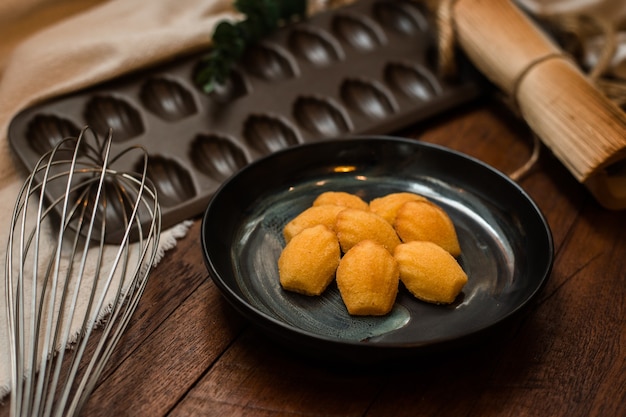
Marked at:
<point>187,353</point>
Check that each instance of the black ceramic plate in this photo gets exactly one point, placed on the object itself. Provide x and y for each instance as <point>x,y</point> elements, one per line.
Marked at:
<point>506,243</point>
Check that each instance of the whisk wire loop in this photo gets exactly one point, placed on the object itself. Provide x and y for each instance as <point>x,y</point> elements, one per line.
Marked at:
<point>84,236</point>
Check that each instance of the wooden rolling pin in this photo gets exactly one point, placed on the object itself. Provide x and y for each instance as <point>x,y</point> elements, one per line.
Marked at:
<point>583,128</point>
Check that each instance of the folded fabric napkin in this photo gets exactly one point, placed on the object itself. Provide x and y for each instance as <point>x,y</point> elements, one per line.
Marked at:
<point>56,47</point>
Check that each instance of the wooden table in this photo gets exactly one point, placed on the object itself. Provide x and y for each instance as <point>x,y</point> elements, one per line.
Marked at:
<point>187,352</point>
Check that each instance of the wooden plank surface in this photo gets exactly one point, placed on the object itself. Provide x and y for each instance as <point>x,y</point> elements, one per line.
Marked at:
<point>188,353</point>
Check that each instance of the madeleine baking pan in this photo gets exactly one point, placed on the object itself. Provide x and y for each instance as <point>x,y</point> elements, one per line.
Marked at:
<point>366,68</point>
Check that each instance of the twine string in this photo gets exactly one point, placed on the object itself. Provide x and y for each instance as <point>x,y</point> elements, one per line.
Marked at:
<point>446,39</point>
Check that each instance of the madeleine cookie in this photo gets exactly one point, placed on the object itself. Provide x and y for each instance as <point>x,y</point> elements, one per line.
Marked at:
<point>309,261</point>
<point>367,278</point>
<point>326,215</point>
<point>353,226</point>
<point>387,206</point>
<point>423,220</point>
<point>429,272</point>
<point>341,198</point>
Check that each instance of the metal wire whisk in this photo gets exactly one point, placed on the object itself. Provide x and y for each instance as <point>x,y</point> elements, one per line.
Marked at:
<point>83,239</point>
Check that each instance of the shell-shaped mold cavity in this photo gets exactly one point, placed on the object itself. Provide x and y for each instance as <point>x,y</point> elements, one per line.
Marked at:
<point>173,182</point>
<point>357,32</point>
<point>167,99</point>
<point>367,98</point>
<point>216,156</point>
<point>233,88</point>
<point>105,112</point>
<point>116,201</point>
<point>412,82</point>
<point>268,134</point>
<point>313,46</point>
<point>320,117</point>
<point>45,131</point>
<point>268,63</point>
<point>400,16</point>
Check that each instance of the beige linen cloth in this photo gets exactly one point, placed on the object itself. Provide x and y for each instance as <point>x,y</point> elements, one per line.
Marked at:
<point>51,47</point>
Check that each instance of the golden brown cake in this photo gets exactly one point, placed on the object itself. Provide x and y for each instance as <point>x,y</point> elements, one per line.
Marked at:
<point>326,215</point>
<point>429,272</point>
<point>309,261</point>
<point>388,205</point>
<point>368,279</point>
<point>341,198</point>
<point>423,220</point>
<point>353,226</point>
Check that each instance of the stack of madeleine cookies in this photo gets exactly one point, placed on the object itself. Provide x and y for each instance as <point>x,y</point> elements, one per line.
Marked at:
<point>369,248</point>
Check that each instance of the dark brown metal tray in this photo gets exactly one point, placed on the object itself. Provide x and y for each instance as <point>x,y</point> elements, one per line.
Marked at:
<point>366,68</point>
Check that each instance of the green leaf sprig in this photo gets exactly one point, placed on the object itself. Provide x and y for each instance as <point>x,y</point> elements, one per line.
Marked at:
<point>230,39</point>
